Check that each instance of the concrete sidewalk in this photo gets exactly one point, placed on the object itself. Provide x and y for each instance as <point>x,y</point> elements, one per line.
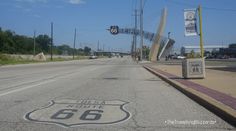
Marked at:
<point>217,92</point>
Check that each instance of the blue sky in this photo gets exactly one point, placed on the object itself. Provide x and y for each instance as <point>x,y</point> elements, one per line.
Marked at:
<point>93,17</point>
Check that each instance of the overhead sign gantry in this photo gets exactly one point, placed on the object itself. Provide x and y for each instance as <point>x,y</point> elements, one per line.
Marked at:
<point>114,30</point>
<point>161,45</point>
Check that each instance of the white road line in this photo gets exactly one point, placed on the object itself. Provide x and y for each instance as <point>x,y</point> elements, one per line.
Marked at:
<point>45,82</point>
<point>24,88</point>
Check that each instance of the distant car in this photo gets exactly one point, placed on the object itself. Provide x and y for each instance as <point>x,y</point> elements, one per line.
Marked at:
<point>173,56</point>
<point>93,57</point>
<point>181,57</point>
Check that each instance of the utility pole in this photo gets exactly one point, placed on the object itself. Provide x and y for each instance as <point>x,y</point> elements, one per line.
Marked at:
<point>74,45</point>
<point>34,41</point>
<point>135,33</point>
<point>132,47</point>
<point>51,38</point>
<point>103,47</point>
<point>98,46</point>
<point>134,42</point>
<point>141,30</point>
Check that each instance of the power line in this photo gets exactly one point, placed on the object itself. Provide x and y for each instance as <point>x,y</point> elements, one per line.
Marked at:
<point>144,3</point>
<point>180,3</point>
<point>219,9</point>
<point>136,4</point>
<point>204,7</point>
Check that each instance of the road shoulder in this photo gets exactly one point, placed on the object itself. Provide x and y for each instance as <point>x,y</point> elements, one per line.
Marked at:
<point>221,104</point>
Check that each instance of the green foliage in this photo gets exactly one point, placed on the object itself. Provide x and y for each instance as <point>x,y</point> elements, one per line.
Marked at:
<point>146,51</point>
<point>193,54</point>
<point>87,50</point>
<point>4,57</point>
<point>43,43</point>
<point>64,50</point>
<point>7,59</point>
<point>11,43</point>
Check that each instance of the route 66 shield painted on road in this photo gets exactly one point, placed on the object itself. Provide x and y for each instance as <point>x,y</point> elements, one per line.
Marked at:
<point>71,113</point>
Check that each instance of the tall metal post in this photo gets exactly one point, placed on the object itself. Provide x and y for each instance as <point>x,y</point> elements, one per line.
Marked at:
<point>132,47</point>
<point>135,34</point>
<point>34,41</point>
<point>141,29</point>
<point>74,44</point>
<point>200,26</point>
<point>51,39</point>
<point>98,47</point>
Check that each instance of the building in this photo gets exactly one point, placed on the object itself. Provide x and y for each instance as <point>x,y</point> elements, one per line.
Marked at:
<point>187,49</point>
<point>231,52</point>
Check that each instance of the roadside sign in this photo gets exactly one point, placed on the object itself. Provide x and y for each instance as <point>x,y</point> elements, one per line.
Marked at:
<point>193,68</point>
<point>114,30</point>
<point>190,22</point>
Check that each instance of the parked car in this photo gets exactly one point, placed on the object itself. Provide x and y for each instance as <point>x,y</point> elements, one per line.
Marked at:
<point>93,57</point>
<point>181,57</point>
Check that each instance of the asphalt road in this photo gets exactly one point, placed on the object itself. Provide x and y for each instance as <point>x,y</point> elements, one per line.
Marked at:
<point>102,94</point>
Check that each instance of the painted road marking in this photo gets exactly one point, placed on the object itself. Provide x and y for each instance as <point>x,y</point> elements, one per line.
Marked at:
<point>24,88</point>
<point>47,80</point>
<point>70,113</point>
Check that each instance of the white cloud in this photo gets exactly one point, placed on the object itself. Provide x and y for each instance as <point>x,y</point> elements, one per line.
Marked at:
<point>76,1</point>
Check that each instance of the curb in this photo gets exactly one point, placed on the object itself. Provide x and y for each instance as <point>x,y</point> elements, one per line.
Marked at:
<point>211,105</point>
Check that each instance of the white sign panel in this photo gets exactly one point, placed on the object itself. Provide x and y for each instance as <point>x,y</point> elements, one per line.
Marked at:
<point>190,22</point>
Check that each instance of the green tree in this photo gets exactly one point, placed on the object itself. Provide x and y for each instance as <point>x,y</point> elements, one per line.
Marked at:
<point>7,45</point>
<point>65,49</point>
<point>24,45</point>
<point>43,43</point>
<point>80,51</point>
<point>87,50</point>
